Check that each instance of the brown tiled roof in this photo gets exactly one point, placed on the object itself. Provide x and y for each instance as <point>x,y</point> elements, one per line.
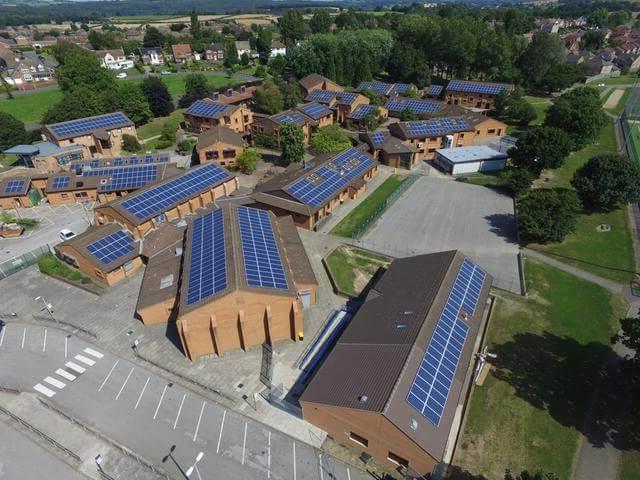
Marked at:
<point>314,79</point>
<point>219,133</point>
<point>4,183</point>
<point>237,96</point>
<point>295,252</point>
<point>181,49</point>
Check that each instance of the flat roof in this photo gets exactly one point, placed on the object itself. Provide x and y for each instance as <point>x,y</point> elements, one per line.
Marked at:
<point>471,154</point>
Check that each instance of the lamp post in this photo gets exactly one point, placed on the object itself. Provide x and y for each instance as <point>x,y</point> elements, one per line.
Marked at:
<point>47,306</point>
<point>195,466</point>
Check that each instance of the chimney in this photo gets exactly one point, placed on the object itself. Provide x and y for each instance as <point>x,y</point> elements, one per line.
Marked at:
<point>216,96</point>
<point>229,92</point>
<point>243,89</point>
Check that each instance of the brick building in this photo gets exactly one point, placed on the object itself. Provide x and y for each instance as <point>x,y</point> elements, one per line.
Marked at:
<point>208,113</point>
<point>220,144</point>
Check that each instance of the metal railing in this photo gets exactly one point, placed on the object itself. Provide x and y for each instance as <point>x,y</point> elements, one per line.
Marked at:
<point>23,261</point>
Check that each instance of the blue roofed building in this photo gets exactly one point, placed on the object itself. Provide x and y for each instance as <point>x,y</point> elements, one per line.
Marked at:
<point>47,157</point>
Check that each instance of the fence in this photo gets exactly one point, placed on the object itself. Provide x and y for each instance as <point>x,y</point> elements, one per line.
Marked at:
<point>630,124</point>
<point>400,189</point>
<point>22,261</point>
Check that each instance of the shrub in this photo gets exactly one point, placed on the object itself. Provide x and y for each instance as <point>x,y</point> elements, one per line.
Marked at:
<point>50,265</point>
<point>131,143</point>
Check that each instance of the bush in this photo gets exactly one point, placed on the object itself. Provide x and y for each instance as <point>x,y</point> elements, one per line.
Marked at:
<point>131,143</point>
<point>266,140</point>
<point>187,145</point>
<point>50,265</point>
<point>26,223</point>
<point>248,159</point>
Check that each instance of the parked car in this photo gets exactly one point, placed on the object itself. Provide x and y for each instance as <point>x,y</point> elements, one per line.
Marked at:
<point>165,72</point>
<point>121,75</point>
<point>66,234</point>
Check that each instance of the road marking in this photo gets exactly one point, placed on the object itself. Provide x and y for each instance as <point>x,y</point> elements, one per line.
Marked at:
<point>160,402</point>
<point>85,360</point>
<point>66,342</point>
<point>179,410</point>
<point>224,414</point>
<point>348,474</point>
<point>141,393</point>
<point>125,382</point>
<point>65,374</point>
<point>108,374</point>
<point>4,329</point>
<point>76,367</point>
<point>93,353</point>
<point>320,465</point>
<point>44,341</point>
<point>44,390</point>
<point>294,462</point>
<point>244,442</point>
<point>269,457</point>
<point>24,335</point>
<point>55,383</point>
<point>195,435</point>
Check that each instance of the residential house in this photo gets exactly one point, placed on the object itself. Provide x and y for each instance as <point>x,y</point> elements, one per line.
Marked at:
<point>245,47</point>
<point>473,94</point>
<point>182,53</point>
<point>114,59</point>
<point>214,52</point>
<point>269,126</point>
<point>278,48</point>
<point>46,157</point>
<point>29,70</point>
<point>220,144</point>
<point>314,82</point>
<point>151,55</point>
<point>207,113</point>
<point>390,150</point>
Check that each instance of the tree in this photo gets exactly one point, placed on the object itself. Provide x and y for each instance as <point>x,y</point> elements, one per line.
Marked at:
<point>374,98</point>
<point>12,132</point>
<point>291,26</point>
<point>291,142</point>
<point>195,27</point>
<point>598,17</point>
<point>373,120</point>
<point>544,52</point>
<point>547,215</point>
<point>153,37</point>
<point>177,27</point>
<point>606,181</point>
<point>268,98</point>
<point>518,180</point>
<point>562,76</point>
<point>263,44</point>
<point>131,143</point>
<point>196,88</point>
<point>244,59</point>
<point>541,148</point>
<point>579,113</point>
<point>291,94</point>
<point>81,68</point>
<point>592,40</point>
<point>79,102</point>
<point>277,65</point>
<point>330,139</point>
<point>132,102</point>
<point>230,54</point>
<point>408,115</point>
<point>620,17</point>
<point>248,160</point>
<point>525,475</point>
<point>320,21</point>
<point>158,96</point>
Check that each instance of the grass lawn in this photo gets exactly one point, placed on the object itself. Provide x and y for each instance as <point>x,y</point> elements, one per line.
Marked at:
<point>349,224</point>
<point>32,106</point>
<point>620,105</point>
<point>352,268</point>
<point>154,127</point>
<point>175,82</point>
<point>627,79</point>
<point>540,105</point>
<point>550,346</point>
<point>630,468</point>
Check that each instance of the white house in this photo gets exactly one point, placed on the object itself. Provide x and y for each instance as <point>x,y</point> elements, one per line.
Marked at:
<point>278,48</point>
<point>151,55</point>
<point>244,47</point>
<point>114,59</point>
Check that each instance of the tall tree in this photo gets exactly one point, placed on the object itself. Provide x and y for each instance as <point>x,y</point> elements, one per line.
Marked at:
<point>230,54</point>
<point>541,148</point>
<point>606,181</point>
<point>78,102</point>
<point>195,28</point>
<point>545,51</point>
<point>132,102</point>
<point>81,68</point>
<point>12,132</point>
<point>268,98</point>
<point>153,37</point>
<point>291,94</point>
<point>263,44</point>
<point>592,40</point>
<point>291,142</point>
<point>196,88</point>
<point>291,26</point>
<point>158,96</point>
<point>320,21</point>
<point>547,215</point>
<point>330,139</point>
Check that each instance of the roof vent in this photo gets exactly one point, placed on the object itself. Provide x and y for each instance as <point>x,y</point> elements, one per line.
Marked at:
<point>181,223</point>
<point>103,181</point>
<point>408,312</point>
<point>216,96</point>
<point>363,399</point>
<point>413,424</point>
<point>229,92</point>
<point>178,251</point>
<point>401,325</point>
<point>166,281</point>
<point>243,89</point>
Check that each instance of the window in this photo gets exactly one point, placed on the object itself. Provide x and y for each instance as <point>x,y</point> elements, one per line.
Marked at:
<point>491,131</point>
<point>354,437</point>
<point>81,194</point>
<point>64,195</point>
<point>462,135</point>
<point>398,460</point>
<point>128,266</point>
<point>99,273</point>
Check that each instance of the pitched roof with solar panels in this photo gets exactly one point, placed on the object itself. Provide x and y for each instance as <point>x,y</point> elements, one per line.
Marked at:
<point>380,88</point>
<point>88,126</point>
<point>291,116</point>
<point>397,105</point>
<point>146,158</point>
<point>149,202</point>
<point>486,88</point>
<point>435,90</point>
<point>14,186</point>
<point>363,111</point>
<point>314,110</point>
<point>409,348</point>
<point>210,109</point>
<point>435,127</point>
<point>233,247</point>
<point>321,96</point>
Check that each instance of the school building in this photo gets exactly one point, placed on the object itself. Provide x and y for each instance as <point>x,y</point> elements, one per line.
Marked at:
<point>208,113</point>
<point>389,150</point>
<point>221,145</point>
<point>472,94</point>
<point>46,157</point>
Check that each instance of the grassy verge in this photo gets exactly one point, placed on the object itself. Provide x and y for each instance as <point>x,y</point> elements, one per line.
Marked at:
<point>620,105</point>
<point>630,466</point>
<point>351,268</point>
<point>627,79</point>
<point>32,106</point>
<point>26,223</point>
<point>550,347</point>
<point>50,265</point>
<point>154,127</point>
<point>349,224</point>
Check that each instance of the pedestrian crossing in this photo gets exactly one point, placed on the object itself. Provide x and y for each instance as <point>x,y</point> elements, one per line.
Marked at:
<point>50,385</point>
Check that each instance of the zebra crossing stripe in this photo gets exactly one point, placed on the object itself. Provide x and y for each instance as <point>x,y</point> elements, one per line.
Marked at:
<point>75,367</point>
<point>93,353</point>
<point>66,375</point>
<point>85,360</point>
<point>44,390</point>
<point>55,383</point>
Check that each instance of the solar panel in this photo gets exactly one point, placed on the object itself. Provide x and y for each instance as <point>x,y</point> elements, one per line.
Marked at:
<point>330,178</point>
<point>203,108</point>
<point>87,125</point>
<point>14,186</point>
<point>289,117</point>
<point>362,111</point>
<point>262,262</point>
<point>315,110</point>
<point>435,90</point>
<point>112,247</point>
<point>378,87</point>
<point>401,88</point>
<point>420,107</point>
<point>378,139</point>
<point>346,98</point>
<point>208,262</point>
<point>477,87</point>
<point>129,178</point>
<point>431,385</point>
<point>320,95</point>
<point>151,202</point>
<point>61,182</point>
<point>437,127</point>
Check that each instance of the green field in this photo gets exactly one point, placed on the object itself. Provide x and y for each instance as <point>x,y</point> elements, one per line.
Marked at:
<point>349,224</point>
<point>627,79</point>
<point>351,268</point>
<point>634,130</point>
<point>550,347</point>
<point>154,127</point>
<point>630,465</point>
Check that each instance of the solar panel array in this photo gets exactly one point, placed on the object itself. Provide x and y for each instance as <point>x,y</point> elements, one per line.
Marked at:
<point>87,125</point>
<point>437,127</point>
<point>151,202</point>
<point>262,261</point>
<point>315,110</point>
<point>346,98</point>
<point>61,182</point>
<point>362,111</point>
<point>435,90</point>
<point>378,139</point>
<point>320,95</point>
<point>208,262</point>
<point>378,87</point>
<point>431,385</point>
<point>112,247</point>
<point>14,186</point>
<point>290,117</point>
<point>330,178</point>
<point>477,87</point>
<point>420,107</point>
<point>120,161</point>
<point>129,178</point>
<point>202,108</point>
<point>401,88</point>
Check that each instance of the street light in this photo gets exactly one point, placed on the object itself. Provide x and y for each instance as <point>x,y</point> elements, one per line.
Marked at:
<point>47,306</point>
<point>98,460</point>
<point>195,466</point>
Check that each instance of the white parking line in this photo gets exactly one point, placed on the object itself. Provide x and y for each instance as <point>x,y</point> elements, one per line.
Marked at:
<point>125,382</point>
<point>320,465</point>
<point>55,383</point>
<point>160,402</point>
<point>224,414</point>
<point>294,462</point>
<point>44,341</point>
<point>142,393</point>
<point>109,374</point>
<point>348,474</point>
<point>66,375</point>
<point>93,353</point>
<point>24,335</point>
<point>85,360</point>
<point>179,410</point>
<point>4,329</point>
<point>269,457</point>
<point>195,434</point>
<point>66,343</point>
<point>44,390</point>
<point>244,441</point>
<point>76,367</point>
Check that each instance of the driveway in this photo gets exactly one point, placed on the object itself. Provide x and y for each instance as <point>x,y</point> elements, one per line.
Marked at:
<point>438,214</point>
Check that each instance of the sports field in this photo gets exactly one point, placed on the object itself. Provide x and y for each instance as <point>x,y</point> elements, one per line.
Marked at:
<point>634,137</point>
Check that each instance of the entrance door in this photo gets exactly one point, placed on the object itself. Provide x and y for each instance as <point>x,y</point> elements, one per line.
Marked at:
<point>305,297</point>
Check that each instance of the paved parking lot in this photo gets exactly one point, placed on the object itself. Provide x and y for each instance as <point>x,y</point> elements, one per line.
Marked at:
<point>162,421</point>
<point>443,214</point>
